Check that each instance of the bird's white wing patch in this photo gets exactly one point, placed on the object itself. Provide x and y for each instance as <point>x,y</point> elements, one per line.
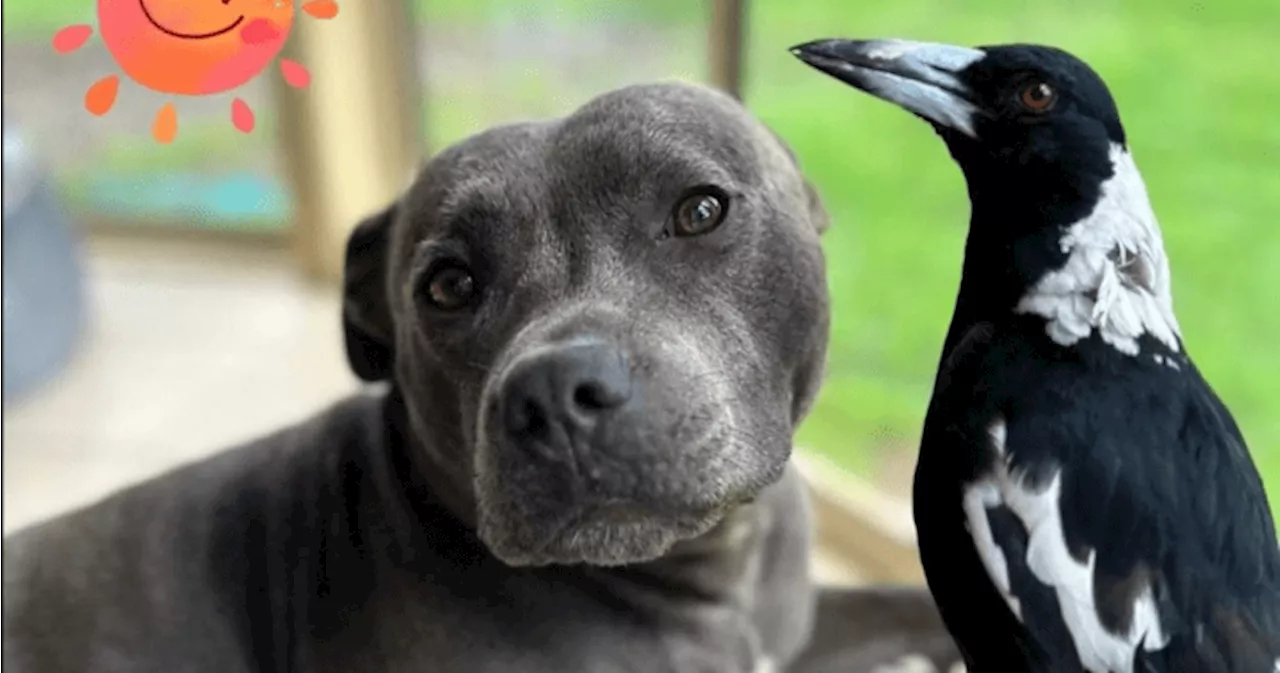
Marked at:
<point>978,498</point>
<point>1116,277</point>
<point>1051,562</point>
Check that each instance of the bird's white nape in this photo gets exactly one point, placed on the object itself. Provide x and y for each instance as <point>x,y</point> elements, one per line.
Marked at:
<point>1116,277</point>
<point>1050,560</point>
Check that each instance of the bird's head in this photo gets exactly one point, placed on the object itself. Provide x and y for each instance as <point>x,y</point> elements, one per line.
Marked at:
<point>1039,139</point>
<point>1061,222</point>
<point>1020,119</point>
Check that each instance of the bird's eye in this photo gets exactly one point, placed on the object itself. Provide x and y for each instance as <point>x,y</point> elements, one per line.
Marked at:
<point>451,288</point>
<point>700,212</point>
<point>1037,97</point>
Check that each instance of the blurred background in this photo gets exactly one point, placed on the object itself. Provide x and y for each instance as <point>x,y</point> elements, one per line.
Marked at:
<point>164,301</point>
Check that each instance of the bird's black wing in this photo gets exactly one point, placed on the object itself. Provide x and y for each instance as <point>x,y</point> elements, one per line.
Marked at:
<point>1124,487</point>
<point>1229,616</point>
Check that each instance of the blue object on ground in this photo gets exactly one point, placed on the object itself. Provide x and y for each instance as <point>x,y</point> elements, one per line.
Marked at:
<point>44,306</point>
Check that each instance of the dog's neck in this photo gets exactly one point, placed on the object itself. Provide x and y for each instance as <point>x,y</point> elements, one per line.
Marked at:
<point>449,483</point>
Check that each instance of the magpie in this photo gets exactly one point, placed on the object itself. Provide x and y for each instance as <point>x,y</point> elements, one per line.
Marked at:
<point>1083,499</point>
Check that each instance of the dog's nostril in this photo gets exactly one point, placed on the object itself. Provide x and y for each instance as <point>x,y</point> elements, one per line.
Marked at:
<point>592,396</point>
<point>535,419</point>
<point>527,417</point>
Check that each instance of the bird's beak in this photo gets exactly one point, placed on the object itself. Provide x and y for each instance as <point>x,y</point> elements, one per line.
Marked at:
<point>922,77</point>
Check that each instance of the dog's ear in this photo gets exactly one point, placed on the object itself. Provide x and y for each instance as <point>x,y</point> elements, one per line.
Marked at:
<point>366,314</point>
<point>817,212</point>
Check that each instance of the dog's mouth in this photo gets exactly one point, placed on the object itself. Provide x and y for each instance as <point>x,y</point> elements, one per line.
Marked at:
<point>628,503</point>
<point>557,518</point>
<point>605,535</point>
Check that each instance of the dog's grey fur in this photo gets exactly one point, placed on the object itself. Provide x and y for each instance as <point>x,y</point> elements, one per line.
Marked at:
<point>406,530</point>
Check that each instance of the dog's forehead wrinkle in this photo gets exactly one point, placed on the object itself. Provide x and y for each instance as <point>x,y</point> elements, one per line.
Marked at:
<point>636,165</point>
<point>664,100</point>
<point>656,130</point>
<point>493,169</point>
<point>477,196</point>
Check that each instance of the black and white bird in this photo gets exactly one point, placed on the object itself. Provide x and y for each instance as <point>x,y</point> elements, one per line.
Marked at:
<point>1083,499</point>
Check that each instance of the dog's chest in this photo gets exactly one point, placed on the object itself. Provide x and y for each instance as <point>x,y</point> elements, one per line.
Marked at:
<point>497,626</point>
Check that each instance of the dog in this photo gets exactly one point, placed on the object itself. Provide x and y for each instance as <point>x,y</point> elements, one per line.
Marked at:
<point>590,341</point>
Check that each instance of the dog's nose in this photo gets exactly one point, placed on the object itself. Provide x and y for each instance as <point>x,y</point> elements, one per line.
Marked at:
<point>563,392</point>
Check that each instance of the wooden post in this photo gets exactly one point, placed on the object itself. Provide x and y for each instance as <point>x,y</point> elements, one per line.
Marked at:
<point>726,41</point>
<point>353,139</point>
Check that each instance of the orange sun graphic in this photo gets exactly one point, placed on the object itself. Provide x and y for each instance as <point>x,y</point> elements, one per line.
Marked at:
<point>193,48</point>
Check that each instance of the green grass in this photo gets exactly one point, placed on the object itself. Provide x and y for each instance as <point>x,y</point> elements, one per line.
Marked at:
<point>40,18</point>
<point>478,11</point>
<point>1197,85</point>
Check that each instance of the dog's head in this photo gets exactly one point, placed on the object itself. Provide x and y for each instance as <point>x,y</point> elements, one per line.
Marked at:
<point>605,327</point>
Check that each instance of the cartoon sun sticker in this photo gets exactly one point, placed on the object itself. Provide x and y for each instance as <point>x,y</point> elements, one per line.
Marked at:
<point>192,48</point>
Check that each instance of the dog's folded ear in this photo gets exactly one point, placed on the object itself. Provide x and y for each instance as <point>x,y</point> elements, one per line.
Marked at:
<point>366,314</point>
<point>817,212</point>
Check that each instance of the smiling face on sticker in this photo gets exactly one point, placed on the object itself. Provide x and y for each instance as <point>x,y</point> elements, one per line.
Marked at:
<point>194,47</point>
<point>191,47</point>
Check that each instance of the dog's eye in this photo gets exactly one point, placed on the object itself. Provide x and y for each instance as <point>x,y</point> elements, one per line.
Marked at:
<point>700,212</point>
<point>451,288</point>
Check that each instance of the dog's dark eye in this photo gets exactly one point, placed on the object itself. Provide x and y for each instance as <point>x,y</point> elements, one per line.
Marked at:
<point>451,288</point>
<point>699,213</point>
<point>1037,97</point>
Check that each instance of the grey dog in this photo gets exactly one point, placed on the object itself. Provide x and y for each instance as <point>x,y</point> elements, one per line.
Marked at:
<point>598,334</point>
<point>593,339</point>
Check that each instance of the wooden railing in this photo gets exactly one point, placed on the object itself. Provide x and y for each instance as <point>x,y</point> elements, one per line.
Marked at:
<point>859,526</point>
<point>726,42</point>
<point>354,137</point>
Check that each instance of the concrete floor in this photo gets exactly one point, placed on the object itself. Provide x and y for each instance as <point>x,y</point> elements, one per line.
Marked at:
<point>192,347</point>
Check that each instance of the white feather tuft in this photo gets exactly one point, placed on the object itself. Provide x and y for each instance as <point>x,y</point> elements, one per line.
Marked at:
<point>1091,291</point>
